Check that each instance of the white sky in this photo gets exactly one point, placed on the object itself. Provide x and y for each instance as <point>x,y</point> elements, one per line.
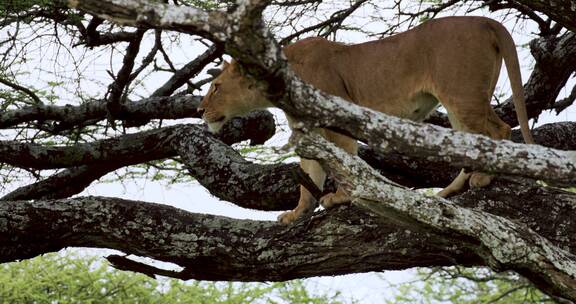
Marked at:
<point>369,288</point>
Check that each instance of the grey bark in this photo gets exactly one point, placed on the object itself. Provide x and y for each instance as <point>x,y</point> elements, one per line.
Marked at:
<point>243,36</point>
<point>346,239</point>
<point>502,243</point>
<point>258,186</point>
<point>98,158</point>
<point>421,173</point>
<point>65,117</point>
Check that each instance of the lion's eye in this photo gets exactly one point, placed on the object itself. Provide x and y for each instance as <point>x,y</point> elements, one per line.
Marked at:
<point>216,87</point>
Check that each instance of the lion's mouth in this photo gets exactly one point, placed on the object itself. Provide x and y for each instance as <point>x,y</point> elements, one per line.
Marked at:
<point>214,120</point>
<point>214,125</point>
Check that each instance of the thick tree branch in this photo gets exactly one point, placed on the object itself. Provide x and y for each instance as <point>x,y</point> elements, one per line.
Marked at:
<point>227,175</point>
<point>398,167</point>
<point>464,150</point>
<point>501,243</point>
<point>421,173</point>
<point>63,184</point>
<point>68,116</point>
<point>140,147</point>
<point>76,179</point>
<point>213,25</point>
<point>496,241</point>
<point>343,240</point>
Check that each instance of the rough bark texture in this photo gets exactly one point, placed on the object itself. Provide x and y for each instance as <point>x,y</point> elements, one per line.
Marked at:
<point>502,243</point>
<point>501,226</point>
<point>65,117</point>
<point>100,158</point>
<point>258,186</point>
<point>230,177</point>
<point>431,142</point>
<point>422,173</point>
<point>343,240</point>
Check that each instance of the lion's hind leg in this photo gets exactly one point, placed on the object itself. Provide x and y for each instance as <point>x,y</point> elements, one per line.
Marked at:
<point>496,129</point>
<point>479,121</point>
<point>456,186</point>
<point>332,199</point>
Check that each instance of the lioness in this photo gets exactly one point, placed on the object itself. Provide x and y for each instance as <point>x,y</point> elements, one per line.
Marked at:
<point>455,61</point>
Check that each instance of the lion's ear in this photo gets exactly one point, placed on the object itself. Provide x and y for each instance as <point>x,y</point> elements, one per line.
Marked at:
<point>225,64</point>
<point>232,67</point>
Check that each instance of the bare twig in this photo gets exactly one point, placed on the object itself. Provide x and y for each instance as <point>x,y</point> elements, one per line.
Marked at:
<point>25,90</point>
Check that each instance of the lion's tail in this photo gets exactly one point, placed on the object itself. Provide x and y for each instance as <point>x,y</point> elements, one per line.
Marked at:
<point>508,50</point>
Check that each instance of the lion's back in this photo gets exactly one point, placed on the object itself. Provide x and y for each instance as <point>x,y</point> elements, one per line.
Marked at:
<point>314,60</point>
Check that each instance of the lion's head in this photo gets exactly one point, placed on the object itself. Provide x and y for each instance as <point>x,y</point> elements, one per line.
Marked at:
<point>231,94</point>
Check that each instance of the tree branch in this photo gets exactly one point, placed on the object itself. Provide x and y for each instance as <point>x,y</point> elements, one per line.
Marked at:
<point>76,179</point>
<point>122,79</point>
<point>188,71</point>
<point>68,116</point>
<point>561,11</point>
<point>496,241</point>
<point>230,177</point>
<point>561,105</point>
<point>343,240</point>
<point>420,173</point>
<point>501,243</point>
<point>20,88</point>
<point>333,22</point>
<point>461,149</point>
<point>140,147</point>
<point>93,38</point>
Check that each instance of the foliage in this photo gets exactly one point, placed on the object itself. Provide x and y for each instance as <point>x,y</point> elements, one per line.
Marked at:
<point>70,278</point>
<point>468,285</point>
<point>13,6</point>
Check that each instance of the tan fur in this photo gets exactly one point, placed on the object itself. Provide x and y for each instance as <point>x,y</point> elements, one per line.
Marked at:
<point>455,61</point>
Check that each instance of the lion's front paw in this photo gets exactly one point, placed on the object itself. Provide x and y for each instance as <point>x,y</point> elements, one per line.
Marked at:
<point>287,217</point>
<point>446,192</point>
<point>331,199</point>
<point>479,180</point>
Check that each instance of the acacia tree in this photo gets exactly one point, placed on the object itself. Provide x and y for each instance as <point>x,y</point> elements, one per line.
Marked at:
<point>515,224</point>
